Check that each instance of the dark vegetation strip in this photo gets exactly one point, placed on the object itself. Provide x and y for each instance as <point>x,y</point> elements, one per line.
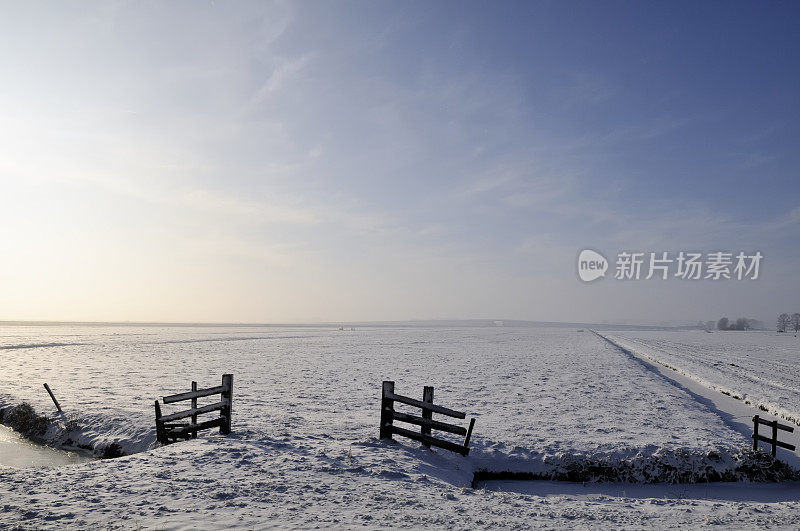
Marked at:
<point>751,466</point>
<point>24,420</point>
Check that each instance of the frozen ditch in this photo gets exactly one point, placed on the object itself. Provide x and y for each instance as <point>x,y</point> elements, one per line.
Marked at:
<point>18,452</point>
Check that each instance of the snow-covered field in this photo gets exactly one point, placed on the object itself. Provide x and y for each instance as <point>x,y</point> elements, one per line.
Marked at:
<point>305,452</point>
<point>758,367</point>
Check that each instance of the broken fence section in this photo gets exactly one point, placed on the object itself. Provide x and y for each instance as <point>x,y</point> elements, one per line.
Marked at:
<point>425,420</point>
<point>167,430</point>
<point>774,439</point>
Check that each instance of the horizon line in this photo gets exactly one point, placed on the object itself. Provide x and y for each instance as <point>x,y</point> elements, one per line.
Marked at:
<point>419,322</point>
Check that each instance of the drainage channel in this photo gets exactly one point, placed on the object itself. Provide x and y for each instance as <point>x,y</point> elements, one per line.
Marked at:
<point>18,452</point>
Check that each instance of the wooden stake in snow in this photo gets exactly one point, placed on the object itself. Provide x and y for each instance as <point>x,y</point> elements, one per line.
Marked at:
<point>427,396</point>
<point>194,406</point>
<point>53,397</point>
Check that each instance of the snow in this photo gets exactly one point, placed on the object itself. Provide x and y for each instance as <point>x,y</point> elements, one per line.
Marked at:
<point>304,448</point>
<point>757,367</point>
<point>735,412</point>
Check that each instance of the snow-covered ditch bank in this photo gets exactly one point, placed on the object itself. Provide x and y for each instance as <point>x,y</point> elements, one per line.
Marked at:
<point>757,367</point>
<point>74,432</point>
<point>304,448</point>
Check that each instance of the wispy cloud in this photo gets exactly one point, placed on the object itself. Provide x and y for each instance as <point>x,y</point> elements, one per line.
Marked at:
<point>281,75</point>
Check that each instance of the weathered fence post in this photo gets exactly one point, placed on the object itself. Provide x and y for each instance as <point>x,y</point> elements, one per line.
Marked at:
<point>774,437</point>
<point>755,433</point>
<point>53,397</point>
<point>387,410</point>
<point>469,436</point>
<point>227,397</point>
<point>161,433</point>
<point>427,396</point>
<point>194,406</point>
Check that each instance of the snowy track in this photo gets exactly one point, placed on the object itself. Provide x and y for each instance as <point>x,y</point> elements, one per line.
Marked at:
<point>756,367</point>
<point>735,412</point>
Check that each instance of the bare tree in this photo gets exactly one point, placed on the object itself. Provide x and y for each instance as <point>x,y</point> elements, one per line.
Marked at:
<point>796,321</point>
<point>722,324</point>
<point>783,322</point>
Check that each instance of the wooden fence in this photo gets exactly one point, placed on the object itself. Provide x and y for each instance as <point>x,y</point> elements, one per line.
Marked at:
<point>774,440</point>
<point>425,420</point>
<point>167,430</point>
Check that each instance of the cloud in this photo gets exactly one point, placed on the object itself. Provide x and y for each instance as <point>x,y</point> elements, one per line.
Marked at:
<point>272,209</point>
<point>229,249</point>
<point>283,148</point>
<point>283,73</point>
<point>583,87</point>
<point>788,221</point>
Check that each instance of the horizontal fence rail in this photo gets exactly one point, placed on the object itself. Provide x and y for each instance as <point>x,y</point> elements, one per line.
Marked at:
<point>775,425</point>
<point>424,420</point>
<point>194,394</point>
<point>426,406</point>
<point>167,430</point>
<point>218,406</point>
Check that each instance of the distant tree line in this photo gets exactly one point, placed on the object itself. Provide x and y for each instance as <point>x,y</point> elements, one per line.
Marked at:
<point>786,321</point>
<point>742,323</point>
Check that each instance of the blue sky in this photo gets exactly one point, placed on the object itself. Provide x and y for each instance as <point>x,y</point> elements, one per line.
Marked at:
<point>372,160</point>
